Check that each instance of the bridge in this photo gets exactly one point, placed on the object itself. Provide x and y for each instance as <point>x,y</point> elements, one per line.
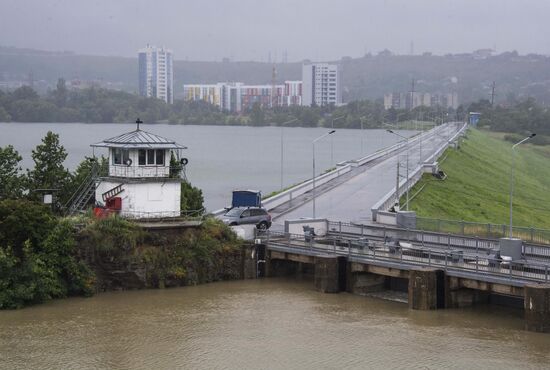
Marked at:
<point>368,250</point>
<point>435,271</point>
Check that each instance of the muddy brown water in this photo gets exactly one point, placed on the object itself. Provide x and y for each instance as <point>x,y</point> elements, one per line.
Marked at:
<point>266,324</point>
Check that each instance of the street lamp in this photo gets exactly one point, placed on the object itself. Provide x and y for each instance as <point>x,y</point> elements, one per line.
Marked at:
<point>332,141</point>
<point>407,183</point>
<point>282,151</point>
<point>512,178</point>
<point>313,144</point>
<point>361,120</point>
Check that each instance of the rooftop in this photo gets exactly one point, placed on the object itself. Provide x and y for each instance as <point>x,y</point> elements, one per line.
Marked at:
<point>139,139</point>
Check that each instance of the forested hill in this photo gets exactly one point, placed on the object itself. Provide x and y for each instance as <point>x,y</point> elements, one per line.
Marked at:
<point>369,77</point>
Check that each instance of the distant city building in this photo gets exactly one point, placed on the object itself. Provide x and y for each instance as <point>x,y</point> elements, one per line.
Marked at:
<point>212,94</point>
<point>321,84</point>
<point>293,93</point>
<point>238,97</point>
<point>156,76</point>
<point>410,100</point>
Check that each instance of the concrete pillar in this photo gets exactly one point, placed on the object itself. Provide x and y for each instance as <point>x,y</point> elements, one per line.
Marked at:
<point>537,307</point>
<point>364,283</point>
<point>249,256</point>
<point>327,274</point>
<point>426,289</point>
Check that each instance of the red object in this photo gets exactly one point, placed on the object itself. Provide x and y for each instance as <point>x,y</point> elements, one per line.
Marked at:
<point>101,212</point>
<point>114,203</point>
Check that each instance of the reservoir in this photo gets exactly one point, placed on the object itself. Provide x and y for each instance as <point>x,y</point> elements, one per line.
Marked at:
<point>268,324</point>
<point>221,158</point>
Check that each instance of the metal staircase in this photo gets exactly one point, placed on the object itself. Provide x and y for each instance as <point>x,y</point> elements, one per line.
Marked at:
<point>81,197</point>
<point>112,192</point>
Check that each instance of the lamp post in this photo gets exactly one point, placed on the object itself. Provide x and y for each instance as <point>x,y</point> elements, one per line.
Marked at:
<point>332,141</point>
<point>512,178</point>
<point>407,183</point>
<point>361,120</point>
<point>282,148</point>
<point>313,145</point>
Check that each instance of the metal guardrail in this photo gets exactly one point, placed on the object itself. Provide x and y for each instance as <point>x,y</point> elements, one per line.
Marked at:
<point>487,230</point>
<point>159,216</point>
<point>466,242</point>
<point>480,267</point>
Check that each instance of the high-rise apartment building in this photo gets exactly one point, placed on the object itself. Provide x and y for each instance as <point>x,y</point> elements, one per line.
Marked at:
<point>156,76</point>
<point>321,84</point>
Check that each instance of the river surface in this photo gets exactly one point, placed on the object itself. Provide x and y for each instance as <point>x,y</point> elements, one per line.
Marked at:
<point>262,324</point>
<point>221,158</point>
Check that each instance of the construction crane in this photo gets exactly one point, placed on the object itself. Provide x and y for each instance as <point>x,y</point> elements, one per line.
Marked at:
<point>274,93</point>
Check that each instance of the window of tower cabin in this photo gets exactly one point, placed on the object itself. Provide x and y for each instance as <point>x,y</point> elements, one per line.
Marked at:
<point>121,156</point>
<point>151,157</point>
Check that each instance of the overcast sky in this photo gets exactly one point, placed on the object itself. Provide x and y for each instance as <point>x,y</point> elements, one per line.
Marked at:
<point>251,29</point>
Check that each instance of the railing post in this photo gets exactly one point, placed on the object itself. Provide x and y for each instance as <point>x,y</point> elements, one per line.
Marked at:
<point>429,258</point>
<point>362,227</point>
<point>445,260</point>
<point>462,227</point>
<point>477,245</point>
<point>340,228</point>
<point>408,235</point>
<point>349,248</point>
<point>546,273</point>
<point>422,237</point>
<point>384,228</point>
<point>477,263</point>
<point>449,240</point>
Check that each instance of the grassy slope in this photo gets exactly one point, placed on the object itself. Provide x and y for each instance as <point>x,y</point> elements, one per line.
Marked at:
<point>478,184</point>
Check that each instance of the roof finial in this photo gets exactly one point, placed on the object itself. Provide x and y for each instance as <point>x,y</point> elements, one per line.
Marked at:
<point>138,121</point>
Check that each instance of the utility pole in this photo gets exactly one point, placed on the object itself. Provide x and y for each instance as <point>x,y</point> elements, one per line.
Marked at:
<point>412,94</point>
<point>493,94</point>
<point>274,95</point>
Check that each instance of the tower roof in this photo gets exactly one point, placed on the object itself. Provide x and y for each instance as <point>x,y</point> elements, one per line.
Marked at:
<point>139,139</point>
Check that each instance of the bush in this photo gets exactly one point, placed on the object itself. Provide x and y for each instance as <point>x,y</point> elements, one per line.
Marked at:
<point>38,256</point>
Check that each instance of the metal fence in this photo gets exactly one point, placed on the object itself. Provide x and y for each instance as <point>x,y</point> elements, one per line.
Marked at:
<point>480,266</point>
<point>472,242</point>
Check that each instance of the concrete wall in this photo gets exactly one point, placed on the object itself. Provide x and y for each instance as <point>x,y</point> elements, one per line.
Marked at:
<point>147,199</point>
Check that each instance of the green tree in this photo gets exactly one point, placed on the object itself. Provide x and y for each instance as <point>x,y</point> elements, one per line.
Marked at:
<point>61,93</point>
<point>48,171</point>
<point>4,115</point>
<point>257,116</point>
<point>191,198</point>
<point>11,181</point>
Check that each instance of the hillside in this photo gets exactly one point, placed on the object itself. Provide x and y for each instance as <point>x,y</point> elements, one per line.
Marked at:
<point>369,77</point>
<point>478,184</point>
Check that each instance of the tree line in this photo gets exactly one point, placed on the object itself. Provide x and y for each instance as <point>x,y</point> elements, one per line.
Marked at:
<point>520,117</point>
<point>110,106</point>
<point>99,105</point>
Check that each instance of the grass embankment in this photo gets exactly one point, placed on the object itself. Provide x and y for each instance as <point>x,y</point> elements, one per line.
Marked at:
<point>478,184</point>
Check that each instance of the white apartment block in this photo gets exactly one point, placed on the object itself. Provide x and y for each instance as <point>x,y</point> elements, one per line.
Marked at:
<point>156,75</point>
<point>321,84</point>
